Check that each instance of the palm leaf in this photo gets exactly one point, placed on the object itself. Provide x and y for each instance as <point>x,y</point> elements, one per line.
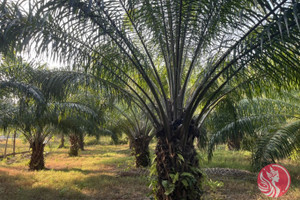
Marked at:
<point>277,145</point>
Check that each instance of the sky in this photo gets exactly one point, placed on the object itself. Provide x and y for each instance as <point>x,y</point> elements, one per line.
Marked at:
<point>42,59</point>
<point>31,55</point>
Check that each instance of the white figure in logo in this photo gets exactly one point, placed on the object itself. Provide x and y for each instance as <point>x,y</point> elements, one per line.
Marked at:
<point>268,187</point>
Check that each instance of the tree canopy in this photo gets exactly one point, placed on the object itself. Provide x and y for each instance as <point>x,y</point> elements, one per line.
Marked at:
<point>175,59</point>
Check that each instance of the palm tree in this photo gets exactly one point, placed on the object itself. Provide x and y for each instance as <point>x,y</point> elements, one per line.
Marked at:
<point>34,108</point>
<point>62,141</point>
<point>173,58</point>
<point>80,119</point>
<point>98,105</point>
<point>269,127</point>
<point>134,123</point>
<point>81,141</point>
<point>25,110</point>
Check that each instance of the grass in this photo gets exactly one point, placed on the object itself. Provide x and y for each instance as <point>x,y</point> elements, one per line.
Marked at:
<point>20,146</point>
<point>92,175</point>
<point>96,174</point>
<point>227,159</point>
<point>245,187</point>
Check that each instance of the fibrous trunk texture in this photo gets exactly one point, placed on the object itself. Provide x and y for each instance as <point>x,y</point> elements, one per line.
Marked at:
<point>140,147</point>
<point>81,141</point>
<point>6,145</point>
<point>234,143</point>
<point>177,164</point>
<point>62,142</point>
<point>37,155</point>
<point>14,143</point>
<point>74,147</point>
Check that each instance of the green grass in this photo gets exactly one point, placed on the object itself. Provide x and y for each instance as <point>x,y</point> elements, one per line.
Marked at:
<point>245,187</point>
<point>97,174</point>
<point>92,175</point>
<point>20,146</point>
<point>227,159</point>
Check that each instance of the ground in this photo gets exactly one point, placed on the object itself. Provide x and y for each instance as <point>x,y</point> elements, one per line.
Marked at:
<point>106,172</point>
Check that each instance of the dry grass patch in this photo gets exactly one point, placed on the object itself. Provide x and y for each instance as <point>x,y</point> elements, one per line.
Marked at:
<point>106,172</point>
<point>245,188</point>
<point>92,175</point>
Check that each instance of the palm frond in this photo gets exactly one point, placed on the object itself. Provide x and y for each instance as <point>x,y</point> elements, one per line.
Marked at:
<point>25,89</point>
<point>277,145</point>
<point>249,118</point>
<point>243,126</point>
<point>201,46</point>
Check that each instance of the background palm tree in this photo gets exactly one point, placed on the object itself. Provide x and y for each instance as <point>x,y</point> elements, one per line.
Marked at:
<point>36,107</point>
<point>173,58</point>
<point>78,120</point>
<point>62,141</point>
<point>139,130</point>
<point>268,127</point>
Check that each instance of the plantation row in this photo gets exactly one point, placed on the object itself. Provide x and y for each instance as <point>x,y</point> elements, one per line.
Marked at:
<point>188,74</point>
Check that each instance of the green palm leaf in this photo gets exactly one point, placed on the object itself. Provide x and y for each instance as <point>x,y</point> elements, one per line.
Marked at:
<point>277,145</point>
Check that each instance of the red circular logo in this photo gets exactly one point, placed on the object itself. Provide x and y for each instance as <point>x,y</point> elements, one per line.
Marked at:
<point>273,180</point>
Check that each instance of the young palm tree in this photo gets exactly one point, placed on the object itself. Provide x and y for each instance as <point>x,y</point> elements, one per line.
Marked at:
<point>62,141</point>
<point>81,141</point>
<point>98,104</point>
<point>269,127</point>
<point>175,59</point>
<point>78,122</point>
<point>34,108</point>
<point>139,130</point>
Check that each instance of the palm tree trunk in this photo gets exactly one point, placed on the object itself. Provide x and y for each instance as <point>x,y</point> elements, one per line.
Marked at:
<point>62,141</point>
<point>140,147</point>
<point>98,138</point>
<point>234,143</point>
<point>14,143</point>
<point>74,145</point>
<point>5,149</point>
<point>177,157</point>
<point>37,161</point>
<point>81,141</point>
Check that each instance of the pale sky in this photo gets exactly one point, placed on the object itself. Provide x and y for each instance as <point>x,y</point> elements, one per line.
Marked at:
<point>42,59</point>
<point>32,55</point>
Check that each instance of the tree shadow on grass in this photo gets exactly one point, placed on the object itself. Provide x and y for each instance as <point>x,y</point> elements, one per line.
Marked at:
<point>110,187</point>
<point>106,187</point>
<point>103,152</point>
<point>19,187</point>
<point>83,171</point>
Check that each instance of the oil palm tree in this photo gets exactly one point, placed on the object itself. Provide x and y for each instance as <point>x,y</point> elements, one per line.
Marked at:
<point>81,120</point>
<point>175,59</point>
<point>35,107</point>
<point>268,127</point>
<point>139,130</point>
